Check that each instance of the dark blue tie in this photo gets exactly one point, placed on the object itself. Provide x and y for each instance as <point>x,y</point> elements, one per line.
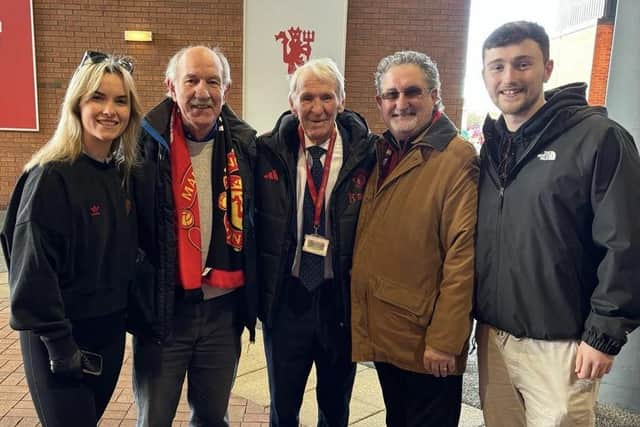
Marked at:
<point>312,266</point>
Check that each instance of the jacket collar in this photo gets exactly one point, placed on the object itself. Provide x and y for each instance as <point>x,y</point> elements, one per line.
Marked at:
<point>352,126</point>
<point>566,106</point>
<point>158,119</point>
<point>437,136</point>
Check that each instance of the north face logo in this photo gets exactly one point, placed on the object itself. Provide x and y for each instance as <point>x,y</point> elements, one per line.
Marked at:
<point>272,175</point>
<point>547,155</point>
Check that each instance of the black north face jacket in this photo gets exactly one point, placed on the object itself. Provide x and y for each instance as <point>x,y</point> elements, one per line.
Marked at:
<point>558,238</point>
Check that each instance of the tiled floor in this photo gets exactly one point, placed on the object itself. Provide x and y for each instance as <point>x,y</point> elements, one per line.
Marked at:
<point>16,407</point>
<point>248,407</point>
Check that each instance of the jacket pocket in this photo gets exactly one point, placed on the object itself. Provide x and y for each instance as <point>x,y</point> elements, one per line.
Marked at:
<point>142,309</point>
<point>413,304</point>
<point>270,230</point>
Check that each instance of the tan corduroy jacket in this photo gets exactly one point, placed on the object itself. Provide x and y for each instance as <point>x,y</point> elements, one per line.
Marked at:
<point>412,277</point>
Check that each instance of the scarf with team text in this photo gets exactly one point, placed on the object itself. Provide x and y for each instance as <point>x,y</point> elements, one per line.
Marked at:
<point>223,268</point>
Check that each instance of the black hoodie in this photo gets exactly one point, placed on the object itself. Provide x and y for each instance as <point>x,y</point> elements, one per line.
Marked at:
<point>558,240</point>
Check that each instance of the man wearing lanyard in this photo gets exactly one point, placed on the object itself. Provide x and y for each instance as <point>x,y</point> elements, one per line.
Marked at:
<point>412,275</point>
<point>311,172</point>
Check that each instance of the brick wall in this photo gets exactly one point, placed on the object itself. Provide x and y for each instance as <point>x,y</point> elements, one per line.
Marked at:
<point>601,59</point>
<point>376,28</point>
<point>65,28</point>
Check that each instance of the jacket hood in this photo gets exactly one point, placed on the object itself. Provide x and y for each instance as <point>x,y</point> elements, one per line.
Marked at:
<point>351,125</point>
<point>159,117</point>
<point>565,107</point>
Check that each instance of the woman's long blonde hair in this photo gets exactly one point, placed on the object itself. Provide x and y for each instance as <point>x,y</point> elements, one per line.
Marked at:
<point>66,143</point>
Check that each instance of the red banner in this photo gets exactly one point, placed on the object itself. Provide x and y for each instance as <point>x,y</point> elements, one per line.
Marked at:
<point>18,92</point>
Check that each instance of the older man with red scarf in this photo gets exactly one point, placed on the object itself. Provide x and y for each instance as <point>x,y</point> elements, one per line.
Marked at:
<point>196,266</point>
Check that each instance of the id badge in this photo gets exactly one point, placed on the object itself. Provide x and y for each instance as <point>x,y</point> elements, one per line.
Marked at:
<point>315,244</point>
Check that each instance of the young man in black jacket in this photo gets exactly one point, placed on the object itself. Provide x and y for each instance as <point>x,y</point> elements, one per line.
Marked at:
<point>311,171</point>
<point>558,240</point>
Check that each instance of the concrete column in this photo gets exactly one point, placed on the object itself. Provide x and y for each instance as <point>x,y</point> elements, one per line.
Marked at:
<point>623,90</point>
<point>622,386</point>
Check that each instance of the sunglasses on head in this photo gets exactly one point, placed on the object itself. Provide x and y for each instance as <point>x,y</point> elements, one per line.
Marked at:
<point>411,92</point>
<point>98,57</point>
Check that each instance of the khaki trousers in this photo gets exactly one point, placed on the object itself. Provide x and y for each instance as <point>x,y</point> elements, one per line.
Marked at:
<point>529,382</point>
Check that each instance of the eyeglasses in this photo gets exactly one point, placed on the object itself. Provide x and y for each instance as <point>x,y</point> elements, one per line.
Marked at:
<point>98,57</point>
<point>412,92</point>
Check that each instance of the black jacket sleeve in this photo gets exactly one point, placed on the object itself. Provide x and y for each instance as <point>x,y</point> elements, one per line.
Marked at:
<point>6,235</point>
<point>38,261</point>
<point>615,199</point>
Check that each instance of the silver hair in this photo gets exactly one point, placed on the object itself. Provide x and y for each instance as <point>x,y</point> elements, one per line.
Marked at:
<point>323,68</point>
<point>172,66</point>
<point>426,64</point>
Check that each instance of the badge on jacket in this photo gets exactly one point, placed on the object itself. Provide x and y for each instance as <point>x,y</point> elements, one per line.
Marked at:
<point>315,244</point>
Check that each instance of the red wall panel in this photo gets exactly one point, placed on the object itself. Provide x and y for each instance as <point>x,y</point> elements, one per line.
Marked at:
<point>18,104</point>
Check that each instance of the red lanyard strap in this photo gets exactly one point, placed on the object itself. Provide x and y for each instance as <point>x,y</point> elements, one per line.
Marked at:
<point>317,196</point>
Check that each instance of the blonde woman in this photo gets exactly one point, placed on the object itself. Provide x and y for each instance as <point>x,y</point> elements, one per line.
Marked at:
<point>70,241</point>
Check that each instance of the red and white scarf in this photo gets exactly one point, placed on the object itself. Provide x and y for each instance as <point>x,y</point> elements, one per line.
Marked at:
<point>223,268</point>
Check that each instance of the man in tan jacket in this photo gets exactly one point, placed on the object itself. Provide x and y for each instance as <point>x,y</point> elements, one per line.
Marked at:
<point>412,277</point>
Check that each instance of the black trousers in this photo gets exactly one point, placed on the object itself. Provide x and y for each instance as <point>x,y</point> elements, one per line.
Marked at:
<point>419,400</point>
<point>64,402</point>
<point>295,342</point>
<point>205,349</point>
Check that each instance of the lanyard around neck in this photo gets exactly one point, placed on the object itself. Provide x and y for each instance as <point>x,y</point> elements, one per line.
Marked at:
<point>317,195</point>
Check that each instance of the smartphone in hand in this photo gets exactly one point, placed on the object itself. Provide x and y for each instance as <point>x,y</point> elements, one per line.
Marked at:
<point>91,363</point>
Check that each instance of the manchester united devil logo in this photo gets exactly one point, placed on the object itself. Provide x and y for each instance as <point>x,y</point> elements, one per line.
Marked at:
<point>232,208</point>
<point>296,48</point>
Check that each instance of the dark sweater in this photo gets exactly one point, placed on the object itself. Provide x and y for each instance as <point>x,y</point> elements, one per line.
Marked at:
<point>73,249</point>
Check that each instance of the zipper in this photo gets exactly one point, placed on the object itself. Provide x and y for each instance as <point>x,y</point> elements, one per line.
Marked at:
<point>335,256</point>
<point>498,244</point>
<point>491,173</point>
<point>286,244</point>
<point>498,230</point>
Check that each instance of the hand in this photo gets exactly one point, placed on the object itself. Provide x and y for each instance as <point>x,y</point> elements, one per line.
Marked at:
<point>591,363</point>
<point>70,367</point>
<point>440,364</point>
